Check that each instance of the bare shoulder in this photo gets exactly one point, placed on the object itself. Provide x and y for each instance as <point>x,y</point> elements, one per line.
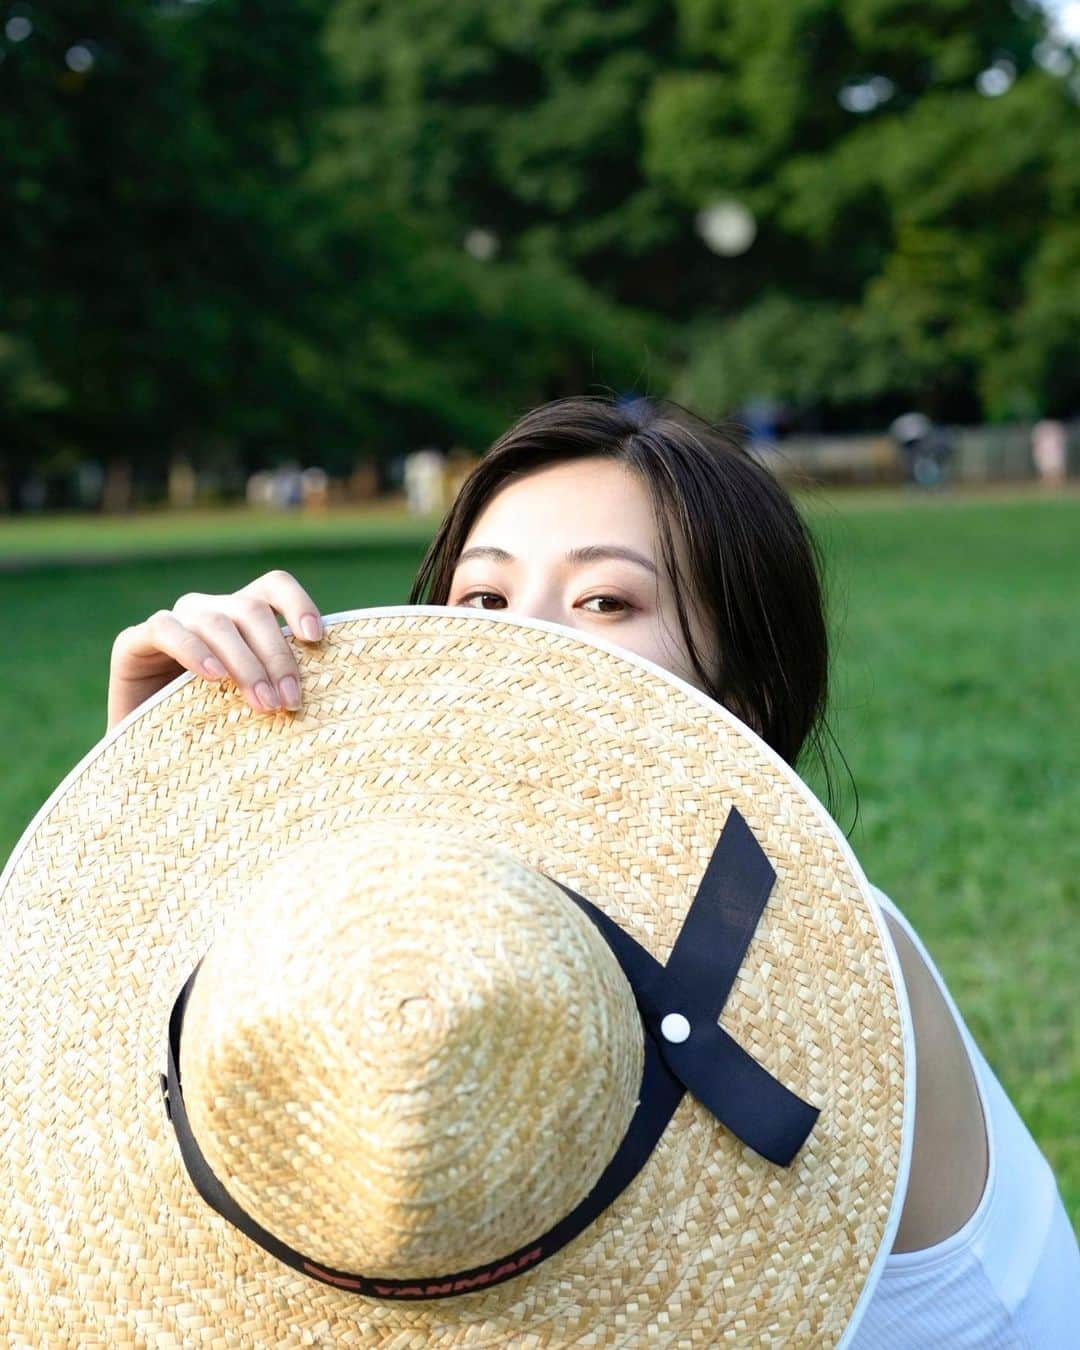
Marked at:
<point>949,1157</point>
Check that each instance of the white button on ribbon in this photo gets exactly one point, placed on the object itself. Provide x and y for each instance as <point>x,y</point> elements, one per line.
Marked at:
<point>675,1028</point>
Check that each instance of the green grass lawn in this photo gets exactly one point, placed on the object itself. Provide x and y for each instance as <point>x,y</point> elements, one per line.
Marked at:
<point>27,540</point>
<point>956,704</point>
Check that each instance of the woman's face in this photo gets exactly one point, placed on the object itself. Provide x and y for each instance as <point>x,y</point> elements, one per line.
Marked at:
<point>575,543</point>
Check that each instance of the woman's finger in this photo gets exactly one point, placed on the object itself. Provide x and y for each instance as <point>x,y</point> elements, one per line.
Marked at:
<point>283,593</point>
<point>224,640</point>
<point>258,626</point>
<point>163,633</point>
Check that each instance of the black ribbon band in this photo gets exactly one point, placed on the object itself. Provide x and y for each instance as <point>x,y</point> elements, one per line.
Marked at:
<point>708,1063</point>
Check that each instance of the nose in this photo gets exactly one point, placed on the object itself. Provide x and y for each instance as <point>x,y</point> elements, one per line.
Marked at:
<point>538,600</point>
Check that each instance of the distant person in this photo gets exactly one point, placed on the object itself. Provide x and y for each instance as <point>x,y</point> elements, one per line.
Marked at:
<point>315,489</point>
<point>425,486</point>
<point>662,535</point>
<point>183,484</point>
<point>926,449</point>
<point>460,463</point>
<point>1049,450</point>
<point>288,486</point>
<point>764,419</point>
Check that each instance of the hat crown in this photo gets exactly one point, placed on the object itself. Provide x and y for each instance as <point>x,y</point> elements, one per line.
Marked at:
<point>413,1062</point>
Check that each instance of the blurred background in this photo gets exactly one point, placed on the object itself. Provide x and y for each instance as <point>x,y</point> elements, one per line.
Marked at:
<point>323,234</point>
<point>272,275</point>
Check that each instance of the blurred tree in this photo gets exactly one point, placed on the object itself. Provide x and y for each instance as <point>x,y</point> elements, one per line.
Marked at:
<point>187,261</point>
<point>29,401</point>
<point>433,345</point>
<point>293,229</point>
<point>150,250</point>
<point>524,121</point>
<point>913,173</point>
<point>897,161</point>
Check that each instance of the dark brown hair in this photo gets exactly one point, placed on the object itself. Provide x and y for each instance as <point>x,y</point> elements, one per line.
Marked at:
<point>750,563</point>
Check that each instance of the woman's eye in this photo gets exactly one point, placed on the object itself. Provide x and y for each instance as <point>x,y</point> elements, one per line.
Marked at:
<point>604,604</point>
<point>482,597</point>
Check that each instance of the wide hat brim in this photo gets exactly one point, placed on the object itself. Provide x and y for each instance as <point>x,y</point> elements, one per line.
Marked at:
<point>598,768</point>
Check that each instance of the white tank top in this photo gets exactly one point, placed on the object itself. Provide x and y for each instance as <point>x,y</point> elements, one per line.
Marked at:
<point>1010,1277</point>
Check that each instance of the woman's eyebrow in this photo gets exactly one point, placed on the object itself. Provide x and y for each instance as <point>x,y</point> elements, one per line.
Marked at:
<point>589,553</point>
<point>598,552</point>
<point>498,555</point>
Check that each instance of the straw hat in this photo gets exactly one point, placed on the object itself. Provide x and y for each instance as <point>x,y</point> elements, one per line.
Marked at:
<point>423,965</point>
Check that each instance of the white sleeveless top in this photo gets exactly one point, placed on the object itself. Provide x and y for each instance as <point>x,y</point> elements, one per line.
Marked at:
<point>1010,1277</point>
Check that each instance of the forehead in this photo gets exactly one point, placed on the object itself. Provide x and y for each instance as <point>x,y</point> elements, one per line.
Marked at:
<point>568,505</point>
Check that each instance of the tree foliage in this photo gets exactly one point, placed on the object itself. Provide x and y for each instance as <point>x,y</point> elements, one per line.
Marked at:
<point>903,201</point>
<point>925,239</point>
<point>187,260</point>
<point>300,228</point>
<point>152,255</point>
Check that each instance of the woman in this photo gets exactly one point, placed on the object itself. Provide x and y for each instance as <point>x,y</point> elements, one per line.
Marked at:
<point>649,528</point>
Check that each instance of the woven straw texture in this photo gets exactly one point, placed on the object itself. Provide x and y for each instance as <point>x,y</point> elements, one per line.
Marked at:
<point>611,778</point>
<point>409,1069</point>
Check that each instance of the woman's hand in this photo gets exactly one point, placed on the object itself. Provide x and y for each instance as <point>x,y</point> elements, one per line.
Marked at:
<point>217,636</point>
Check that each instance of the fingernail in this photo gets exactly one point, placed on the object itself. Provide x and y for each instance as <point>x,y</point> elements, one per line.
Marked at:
<point>266,696</point>
<point>290,692</point>
<point>311,627</point>
<point>213,667</point>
